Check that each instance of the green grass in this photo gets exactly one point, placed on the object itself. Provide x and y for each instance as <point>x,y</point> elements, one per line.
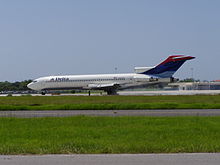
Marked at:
<point>109,135</point>
<point>109,102</point>
<point>39,100</point>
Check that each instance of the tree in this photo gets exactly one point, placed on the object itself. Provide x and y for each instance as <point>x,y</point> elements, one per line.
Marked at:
<point>16,86</point>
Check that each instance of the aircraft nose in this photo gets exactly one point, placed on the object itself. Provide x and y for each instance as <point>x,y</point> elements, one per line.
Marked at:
<point>30,85</point>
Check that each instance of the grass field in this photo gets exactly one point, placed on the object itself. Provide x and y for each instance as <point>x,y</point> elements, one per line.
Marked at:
<point>109,135</point>
<point>109,102</point>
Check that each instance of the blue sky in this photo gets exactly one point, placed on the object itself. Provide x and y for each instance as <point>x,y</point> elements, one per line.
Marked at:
<point>56,37</point>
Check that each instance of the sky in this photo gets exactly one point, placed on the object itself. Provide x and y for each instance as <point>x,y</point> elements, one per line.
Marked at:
<point>62,37</point>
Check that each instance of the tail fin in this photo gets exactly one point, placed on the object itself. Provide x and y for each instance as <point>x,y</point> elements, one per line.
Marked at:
<point>168,67</point>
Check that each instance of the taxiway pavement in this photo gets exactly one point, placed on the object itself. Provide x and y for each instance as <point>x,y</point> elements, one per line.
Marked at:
<point>115,159</point>
<point>65,113</point>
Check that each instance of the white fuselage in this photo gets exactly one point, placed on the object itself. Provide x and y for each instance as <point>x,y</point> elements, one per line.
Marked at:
<point>112,82</point>
<point>97,81</point>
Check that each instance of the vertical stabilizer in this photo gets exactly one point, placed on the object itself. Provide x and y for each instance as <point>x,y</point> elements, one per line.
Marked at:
<point>168,67</point>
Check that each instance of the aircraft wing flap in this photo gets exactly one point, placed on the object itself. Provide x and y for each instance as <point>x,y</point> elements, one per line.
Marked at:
<point>102,85</point>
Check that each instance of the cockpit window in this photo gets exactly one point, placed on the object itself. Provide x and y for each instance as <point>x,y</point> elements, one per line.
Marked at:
<point>34,81</point>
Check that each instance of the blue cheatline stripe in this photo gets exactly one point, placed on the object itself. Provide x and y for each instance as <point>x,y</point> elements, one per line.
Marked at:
<point>165,70</point>
<point>164,74</point>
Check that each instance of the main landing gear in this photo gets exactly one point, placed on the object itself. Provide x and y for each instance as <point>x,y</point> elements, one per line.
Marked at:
<point>43,92</point>
<point>111,92</point>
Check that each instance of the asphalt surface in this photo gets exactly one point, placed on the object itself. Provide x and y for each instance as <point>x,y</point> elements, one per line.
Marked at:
<point>137,93</point>
<point>65,113</point>
<point>172,92</point>
<point>115,159</point>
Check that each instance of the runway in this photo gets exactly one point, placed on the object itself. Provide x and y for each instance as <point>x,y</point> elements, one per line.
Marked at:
<point>115,159</point>
<point>65,113</point>
<point>135,93</point>
<point>169,92</point>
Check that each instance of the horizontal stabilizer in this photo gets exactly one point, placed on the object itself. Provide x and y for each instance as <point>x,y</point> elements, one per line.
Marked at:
<point>142,69</point>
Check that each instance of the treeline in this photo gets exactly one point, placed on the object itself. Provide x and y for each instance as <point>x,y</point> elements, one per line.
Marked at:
<point>15,86</point>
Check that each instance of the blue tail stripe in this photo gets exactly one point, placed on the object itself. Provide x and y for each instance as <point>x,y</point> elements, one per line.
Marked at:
<point>165,70</point>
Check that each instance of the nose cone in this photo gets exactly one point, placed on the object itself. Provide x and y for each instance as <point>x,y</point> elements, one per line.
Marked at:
<point>30,86</point>
<point>33,86</point>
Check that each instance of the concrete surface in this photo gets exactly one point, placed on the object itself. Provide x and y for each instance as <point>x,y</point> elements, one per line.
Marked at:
<point>64,113</point>
<point>114,159</point>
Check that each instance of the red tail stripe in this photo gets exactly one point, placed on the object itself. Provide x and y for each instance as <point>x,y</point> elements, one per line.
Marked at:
<point>178,58</point>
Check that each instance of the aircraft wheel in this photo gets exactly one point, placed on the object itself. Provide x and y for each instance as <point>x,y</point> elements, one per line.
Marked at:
<point>111,92</point>
<point>43,93</point>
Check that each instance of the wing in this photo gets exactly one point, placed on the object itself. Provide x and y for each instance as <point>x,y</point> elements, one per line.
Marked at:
<point>103,86</point>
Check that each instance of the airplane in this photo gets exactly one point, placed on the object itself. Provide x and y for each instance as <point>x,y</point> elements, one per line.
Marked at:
<point>111,83</point>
